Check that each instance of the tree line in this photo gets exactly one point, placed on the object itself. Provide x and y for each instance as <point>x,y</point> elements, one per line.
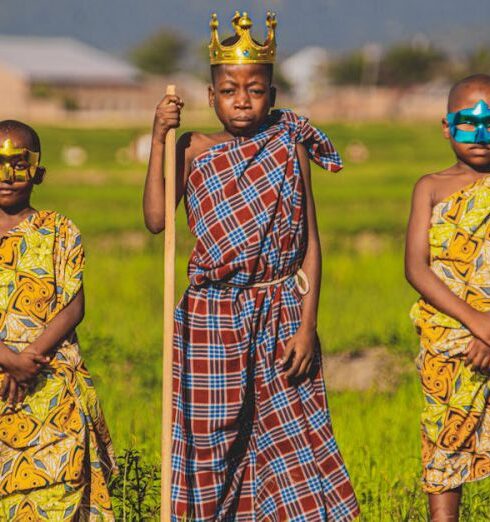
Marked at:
<point>402,64</point>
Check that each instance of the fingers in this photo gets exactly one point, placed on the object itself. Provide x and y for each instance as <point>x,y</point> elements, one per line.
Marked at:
<point>5,387</point>
<point>168,111</point>
<point>293,370</point>
<point>298,356</point>
<point>14,392</point>
<point>41,359</point>
<point>478,356</point>
<point>304,365</point>
<point>485,364</point>
<point>173,99</point>
<point>12,395</point>
<point>22,392</point>
<point>471,353</point>
<point>299,365</point>
<point>287,352</point>
<point>308,368</point>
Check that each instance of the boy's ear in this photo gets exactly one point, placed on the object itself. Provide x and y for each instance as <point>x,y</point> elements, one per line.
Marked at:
<point>39,176</point>
<point>211,94</point>
<point>273,96</point>
<point>446,131</point>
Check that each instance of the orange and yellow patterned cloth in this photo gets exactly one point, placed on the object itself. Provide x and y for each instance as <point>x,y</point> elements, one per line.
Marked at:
<point>55,450</point>
<point>456,418</point>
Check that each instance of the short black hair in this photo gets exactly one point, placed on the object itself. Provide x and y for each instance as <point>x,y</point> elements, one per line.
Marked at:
<point>268,67</point>
<point>22,131</point>
<point>475,80</point>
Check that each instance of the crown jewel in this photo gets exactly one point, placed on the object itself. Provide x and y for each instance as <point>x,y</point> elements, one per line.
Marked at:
<point>245,49</point>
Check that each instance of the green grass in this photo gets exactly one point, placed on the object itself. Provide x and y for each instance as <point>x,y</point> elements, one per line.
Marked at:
<point>365,300</point>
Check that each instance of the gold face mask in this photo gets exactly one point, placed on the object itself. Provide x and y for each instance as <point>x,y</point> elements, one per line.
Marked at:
<point>17,164</point>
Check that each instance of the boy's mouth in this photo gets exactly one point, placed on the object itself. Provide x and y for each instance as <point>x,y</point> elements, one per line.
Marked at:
<point>482,148</point>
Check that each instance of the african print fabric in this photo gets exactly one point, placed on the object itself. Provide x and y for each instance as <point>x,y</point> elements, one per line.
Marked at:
<point>247,444</point>
<point>55,451</point>
<point>456,417</point>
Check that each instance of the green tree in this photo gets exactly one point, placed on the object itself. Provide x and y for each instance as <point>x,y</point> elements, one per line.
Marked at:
<point>479,61</point>
<point>161,53</point>
<point>347,69</point>
<point>405,65</point>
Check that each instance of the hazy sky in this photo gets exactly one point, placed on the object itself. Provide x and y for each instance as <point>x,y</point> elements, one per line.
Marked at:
<point>117,25</point>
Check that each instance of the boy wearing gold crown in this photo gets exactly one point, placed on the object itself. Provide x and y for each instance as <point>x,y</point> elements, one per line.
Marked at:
<point>252,436</point>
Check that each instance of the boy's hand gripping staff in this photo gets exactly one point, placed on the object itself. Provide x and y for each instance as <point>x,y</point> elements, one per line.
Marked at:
<point>168,320</point>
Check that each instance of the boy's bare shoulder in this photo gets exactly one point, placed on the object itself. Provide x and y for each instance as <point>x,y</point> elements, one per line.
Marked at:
<point>430,184</point>
<point>440,185</point>
<point>194,143</point>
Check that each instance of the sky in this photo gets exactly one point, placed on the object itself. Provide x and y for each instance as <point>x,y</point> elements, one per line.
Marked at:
<point>119,25</point>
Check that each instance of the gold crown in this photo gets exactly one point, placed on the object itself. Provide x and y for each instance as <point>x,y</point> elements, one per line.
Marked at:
<point>245,49</point>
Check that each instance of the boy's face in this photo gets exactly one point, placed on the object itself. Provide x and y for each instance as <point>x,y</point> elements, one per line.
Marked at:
<point>15,193</point>
<point>242,96</point>
<point>475,155</point>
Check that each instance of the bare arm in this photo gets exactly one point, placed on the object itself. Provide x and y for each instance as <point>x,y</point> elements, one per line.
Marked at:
<point>312,263</point>
<point>417,259</point>
<point>167,116</point>
<point>22,367</point>
<point>302,344</point>
<point>60,326</point>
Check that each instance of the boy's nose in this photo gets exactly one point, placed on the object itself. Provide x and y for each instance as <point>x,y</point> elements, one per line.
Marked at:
<point>482,135</point>
<point>242,100</point>
<point>6,173</point>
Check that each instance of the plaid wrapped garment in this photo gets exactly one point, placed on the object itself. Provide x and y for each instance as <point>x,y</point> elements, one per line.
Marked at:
<point>247,444</point>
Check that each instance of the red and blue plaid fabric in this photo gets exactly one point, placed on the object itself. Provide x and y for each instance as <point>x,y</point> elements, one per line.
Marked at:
<point>248,445</point>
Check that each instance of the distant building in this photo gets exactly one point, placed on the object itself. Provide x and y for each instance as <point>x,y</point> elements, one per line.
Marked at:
<point>51,76</point>
<point>58,78</point>
<point>306,72</point>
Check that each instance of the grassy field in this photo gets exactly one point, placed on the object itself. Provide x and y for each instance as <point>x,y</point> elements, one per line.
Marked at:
<point>364,303</point>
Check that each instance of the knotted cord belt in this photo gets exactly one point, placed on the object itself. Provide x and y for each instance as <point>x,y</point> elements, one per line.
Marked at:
<point>304,286</point>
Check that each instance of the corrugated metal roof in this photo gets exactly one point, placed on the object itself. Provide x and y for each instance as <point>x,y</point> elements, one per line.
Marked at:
<point>63,60</point>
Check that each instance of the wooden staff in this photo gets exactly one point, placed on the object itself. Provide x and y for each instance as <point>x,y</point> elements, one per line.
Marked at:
<point>168,320</point>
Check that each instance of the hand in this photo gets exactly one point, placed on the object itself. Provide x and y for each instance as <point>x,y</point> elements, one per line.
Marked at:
<point>478,356</point>
<point>12,391</point>
<point>300,352</point>
<point>25,365</point>
<point>479,325</point>
<point>167,116</point>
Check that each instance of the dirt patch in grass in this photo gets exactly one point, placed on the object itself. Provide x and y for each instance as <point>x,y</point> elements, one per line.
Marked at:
<point>375,368</point>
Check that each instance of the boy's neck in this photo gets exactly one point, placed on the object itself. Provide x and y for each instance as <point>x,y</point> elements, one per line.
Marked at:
<point>468,169</point>
<point>16,210</point>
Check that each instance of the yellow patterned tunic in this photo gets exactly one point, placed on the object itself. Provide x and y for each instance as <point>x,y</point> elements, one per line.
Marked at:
<point>456,417</point>
<point>55,451</point>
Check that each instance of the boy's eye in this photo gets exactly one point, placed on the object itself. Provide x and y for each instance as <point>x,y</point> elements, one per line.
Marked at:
<point>227,91</point>
<point>21,165</point>
<point>466,126</point>
<point>257,92</point>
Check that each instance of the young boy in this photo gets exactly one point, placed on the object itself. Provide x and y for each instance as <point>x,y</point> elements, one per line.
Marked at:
<point>252,437</point>
<point>55,451</point>
<point>447,261</point>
